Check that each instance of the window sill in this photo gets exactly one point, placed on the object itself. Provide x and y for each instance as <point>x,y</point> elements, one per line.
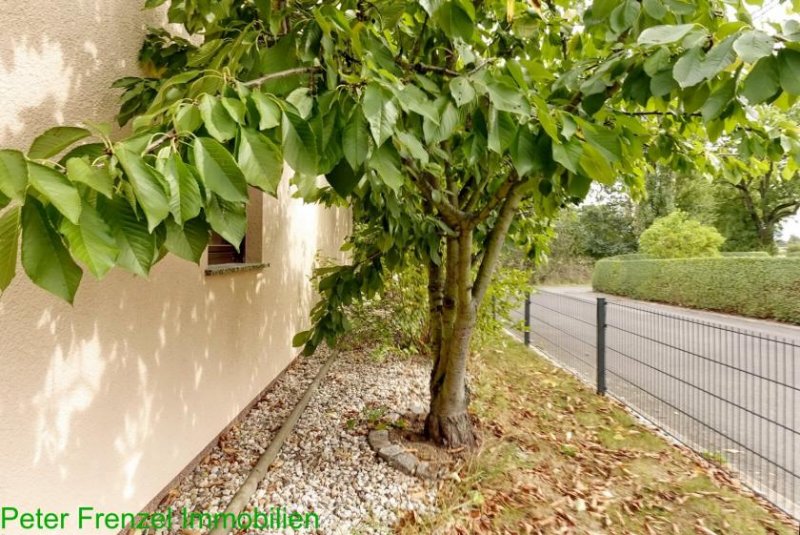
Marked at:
<point>226,269</point>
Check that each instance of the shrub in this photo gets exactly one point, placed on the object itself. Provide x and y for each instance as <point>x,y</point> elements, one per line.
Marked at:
<point>793,248</point>
<point>394,320</point>
<point>749,286</point>
<point>679,236</point>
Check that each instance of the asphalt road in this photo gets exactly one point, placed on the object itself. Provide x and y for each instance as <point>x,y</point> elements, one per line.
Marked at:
<point>725,385</point>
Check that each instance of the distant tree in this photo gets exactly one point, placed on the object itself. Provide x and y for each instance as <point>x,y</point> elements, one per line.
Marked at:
<point>767,187</point>
<point>607,229</point>
<point>679,236</point>
<point>732,220</point>
<point>661,191</point>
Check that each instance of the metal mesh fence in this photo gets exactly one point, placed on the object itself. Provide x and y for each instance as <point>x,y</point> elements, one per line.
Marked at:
<point>730,394</point>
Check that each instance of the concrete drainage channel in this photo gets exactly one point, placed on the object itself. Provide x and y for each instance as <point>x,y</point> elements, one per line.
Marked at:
<point>394,455</point>
<point>242,496</point>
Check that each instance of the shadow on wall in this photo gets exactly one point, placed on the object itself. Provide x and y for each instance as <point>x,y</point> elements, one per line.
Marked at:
<point>59,58</point>
<point>105,402</point>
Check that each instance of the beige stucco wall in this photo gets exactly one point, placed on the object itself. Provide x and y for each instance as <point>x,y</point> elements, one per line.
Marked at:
<point>103,403</point>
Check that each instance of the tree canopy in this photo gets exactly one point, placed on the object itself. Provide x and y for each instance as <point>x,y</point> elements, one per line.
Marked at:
<point>444,124</point>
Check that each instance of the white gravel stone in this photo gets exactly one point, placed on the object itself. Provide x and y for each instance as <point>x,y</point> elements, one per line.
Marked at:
<point>326,466</point>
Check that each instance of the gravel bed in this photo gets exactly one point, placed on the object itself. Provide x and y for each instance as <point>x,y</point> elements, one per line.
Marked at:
<point>326,465</point>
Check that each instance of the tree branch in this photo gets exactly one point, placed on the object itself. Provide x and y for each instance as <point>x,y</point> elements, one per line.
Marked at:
<point>496,199</point>
<point>495,243</point>
<point>422,67</point>
<point>280,74</point>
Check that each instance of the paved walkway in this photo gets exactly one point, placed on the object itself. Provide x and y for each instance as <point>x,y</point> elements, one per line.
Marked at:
<point>771,328</point>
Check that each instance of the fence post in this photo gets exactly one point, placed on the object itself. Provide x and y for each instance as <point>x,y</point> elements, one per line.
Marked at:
<point>527,332</point>
<point>601,346</point>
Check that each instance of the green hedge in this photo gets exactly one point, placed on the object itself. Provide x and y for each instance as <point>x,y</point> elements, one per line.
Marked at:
<point>747,254</point>
<point>748,286</point>
<point>631,256</point>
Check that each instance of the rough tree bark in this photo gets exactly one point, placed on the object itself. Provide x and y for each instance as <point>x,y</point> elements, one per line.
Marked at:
<point>452,325</point>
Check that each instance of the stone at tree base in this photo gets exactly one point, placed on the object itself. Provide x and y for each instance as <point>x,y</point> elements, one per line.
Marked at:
<point>379,439</point>
<point>405,462</point>
<point>390,451</point>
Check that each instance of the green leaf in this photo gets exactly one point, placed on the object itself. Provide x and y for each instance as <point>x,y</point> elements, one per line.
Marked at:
<point>754,45</point>
<point>625,15</point>
<point>604,140</point>
<point>763,82</point>
<point>13,174</point>
<point>665,34</point>
<point>227,219</point>
<point>56,140</point>
<point>502,131</point>
<point>299,144</point>
<point>523,152</point>
<point>413,147</point>
<point>45,259</point>
<point>381,113</point>
<point>547,122</point>
<point>343,179</point>
<point>506,97</point>
<point>414,99</point>
<point>260,160</point>
<point>789,70</point>
<point>302,101</point>
<point>137,246</point>
<point>216,119</point>
<point>355,139</point>
<point>269,112</point>
<point>719,100</point>
<point>188,241</point>
<point>56,189</point>
<point>187,119</point>
<point>595,165</point>
<point>185,201</point>
<point>147,185</point>
<point>655,9</point>
<point>386,162</point>
<point>235,108</point>
<point>219,171</point>
<point>694,67</point>
<point>445,127</point>
<point>454,19</point>
<point>91,242</point>
<point>568,154</point>
<point>579,186</point>
<point>9,245</point>
<point>97,178</point>
<point>462,91</point>
<point>301,338</point>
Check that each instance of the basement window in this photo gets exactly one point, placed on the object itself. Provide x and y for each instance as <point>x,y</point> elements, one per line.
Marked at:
<point>221,252</point>
<point>223,257</point>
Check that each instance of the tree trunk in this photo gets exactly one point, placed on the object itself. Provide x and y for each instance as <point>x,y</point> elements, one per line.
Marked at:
<point>448,422</point>
<point>766,237</point>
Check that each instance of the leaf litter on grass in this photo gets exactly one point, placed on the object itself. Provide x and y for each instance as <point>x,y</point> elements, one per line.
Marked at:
<point>557,458</point>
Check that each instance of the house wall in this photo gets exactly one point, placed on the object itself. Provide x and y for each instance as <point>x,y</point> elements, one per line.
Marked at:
<point>103,403</point>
